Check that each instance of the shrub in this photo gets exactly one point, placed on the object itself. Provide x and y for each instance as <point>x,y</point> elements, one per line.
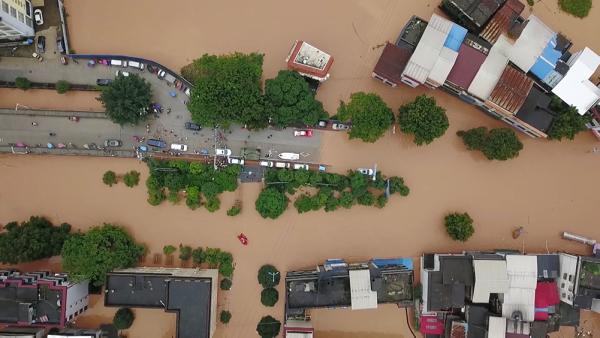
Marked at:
<point>155,197</point>
<point>234,211</point>
<point>225,284</point>
<point>268,327</point>
<point>22,83</point>
<point>173,197</point>
<point>530,2</point>
<point>225,316</point>
<point>499,144</point>
<point>268,276</point>
<point>269,297</point>
<point>185,252</point>
<point>62,87</point>
<point>578,8</point>
<point>459,226</point>
<point>212,204</point>
<point>198,256</point>
<point>131,179</point>
<point>169,250</point>
<point>109,178</point>
<point>123,318</point>
<point>424,119</point>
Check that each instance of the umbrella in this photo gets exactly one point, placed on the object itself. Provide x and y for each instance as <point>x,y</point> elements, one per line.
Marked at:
<point>50,145</point>
<point>61,145</point>
<point>173,93</point>
<point>21,145</point>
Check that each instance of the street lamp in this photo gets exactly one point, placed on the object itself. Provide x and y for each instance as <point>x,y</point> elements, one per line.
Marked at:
<point>273,274</point>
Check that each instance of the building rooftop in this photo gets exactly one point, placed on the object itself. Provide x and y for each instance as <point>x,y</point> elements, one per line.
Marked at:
<point>466,66</point>
<point>473,14</point>
<point>522,276</point>
<point>511,90</point>
<point>309,61</point>
<point>575,88</point>
<point>535,110</point>
<point>392,61</point>
<point>548,266</point>
<point>490,277</point>
<point>492,68</point>
<point>411,32</point>
<point>190,293</point>
<point>531,43</point>
<point>503,20</point>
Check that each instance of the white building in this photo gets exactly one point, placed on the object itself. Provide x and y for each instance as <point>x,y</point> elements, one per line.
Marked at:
<point>16,19</point>
<point>522,276</point>
<point>575,88</point>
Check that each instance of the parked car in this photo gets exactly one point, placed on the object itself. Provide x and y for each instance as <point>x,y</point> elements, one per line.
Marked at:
<point>37,56</point>
<point>161,73</point>
<point>268,164</point>
<point>303,132</point>
<point>322,123</point>
<point>340,126</point>
<point>187,92</point>
<point>365,171</point>
<point>60,46</point>
<point>179,147</point>
<point>41,44</point>
<point>121,63</point>
<point>299,166</point>
<point>39,18</point>
<point>112,143</point>
<point>232,160</point>
<point>137,65</point>
<point>157,143</point>
<point>152,69</point>
<point>120,72</point>
<point>223,152</point>
<point>192,126</point>
<point>103,82</point>
<point>282,165</point>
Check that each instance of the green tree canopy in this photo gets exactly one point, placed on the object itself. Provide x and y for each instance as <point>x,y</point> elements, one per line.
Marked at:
<point>424,119</point>
<point>459,226</point>
<point>198,256</point>
<point>291,101</point>
<point>269,297</point>
<point>123,318</point>
<point>268,276</point>
<point>271,203</point>
<point>22,83</point>
<point>62,86</point>
<point>225,316</point>
<point>578,8</point>
<point>227,90</point>
<point>34,239</point>
<point>499,144</point>
<point>132,178</point>
<point>185,252</point>
<point>109,178</point>
<point>169,249</point>
<point>370,116</point>
<point>127,99</point>
<point>568,123</point>
<point>268,327</point>
<point>102,249</point>
<point>225,284</point>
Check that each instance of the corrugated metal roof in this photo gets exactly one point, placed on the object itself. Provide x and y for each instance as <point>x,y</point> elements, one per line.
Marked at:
<point>512,89</point>
<point>442,66</point>
<point>465,68</point>
<point>492,68</point>
<point>428,49</point>
<point>522,276</point>
<point>490,277</point>
<point>362,297</point>
<point>531,43</point>
<point>391,63</point>
<point>496,327</point>
<point>575,88</point>
<point>547,61</point>
<point>501,21</point>
<point>455,37</point>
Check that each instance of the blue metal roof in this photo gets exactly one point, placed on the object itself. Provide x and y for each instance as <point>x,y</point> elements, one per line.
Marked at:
<point>383,262</point>
<point>455,37</point>
<point>547,61</point>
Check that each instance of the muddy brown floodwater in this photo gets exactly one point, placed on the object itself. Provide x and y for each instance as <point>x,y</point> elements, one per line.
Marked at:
<point>548,189</point>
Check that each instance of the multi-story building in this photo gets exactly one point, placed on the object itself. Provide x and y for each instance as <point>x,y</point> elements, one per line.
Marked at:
<point>309,61</point>
<point>40,298</point>
<point>16,19</point>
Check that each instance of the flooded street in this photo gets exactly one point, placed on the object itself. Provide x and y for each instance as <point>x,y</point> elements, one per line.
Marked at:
<point>549,188</point>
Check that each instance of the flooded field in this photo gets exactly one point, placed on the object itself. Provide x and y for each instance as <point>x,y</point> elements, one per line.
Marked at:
<point>548,189</point>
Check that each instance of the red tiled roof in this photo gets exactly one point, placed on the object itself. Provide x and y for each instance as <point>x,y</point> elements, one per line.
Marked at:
<point>306,69</point>
<point>511,90</point>
<point>502,20</point>
<point>466,66</point>
<point>391,63</point>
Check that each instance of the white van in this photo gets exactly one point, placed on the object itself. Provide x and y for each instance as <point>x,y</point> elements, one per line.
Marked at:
<point>232,160</point>
<point>179,147</point>
<point>268,164</point>
<point>137,65</point>
<point>281,165</point>
<point>121,63</point>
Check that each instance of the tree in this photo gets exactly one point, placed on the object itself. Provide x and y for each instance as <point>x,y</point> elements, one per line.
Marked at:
<point>185,252</point>
<point>578,8</point>
<point>227,90</point>
<point>271,203</point>
<point>123,318</point>
<point>192,199</point>
<point>269,297</point>
<point>291,101</point>
<point>109,178</point>
<point>22,83</point>
<point>127,99</point>
<point>459,226</point>
<point>268,327</point>
<point>225,284</point>
<point>370,116</point>
<point>568,123</point>
<point>502,144</point>
<point>225,316</point>
<point>198,256</point>
<point>102,249</point>
<point>62,87</point>
<point>212,204</point>
<point>268,276</point>
<point>155,197</point>
<point>499,144</point>
<point>132,178</point>
<point>212,256</point>
<point>173,197</point>
<point>423,118</point>
<point>168,250</point>
<point>234,210</point>
<point>31,240</point>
